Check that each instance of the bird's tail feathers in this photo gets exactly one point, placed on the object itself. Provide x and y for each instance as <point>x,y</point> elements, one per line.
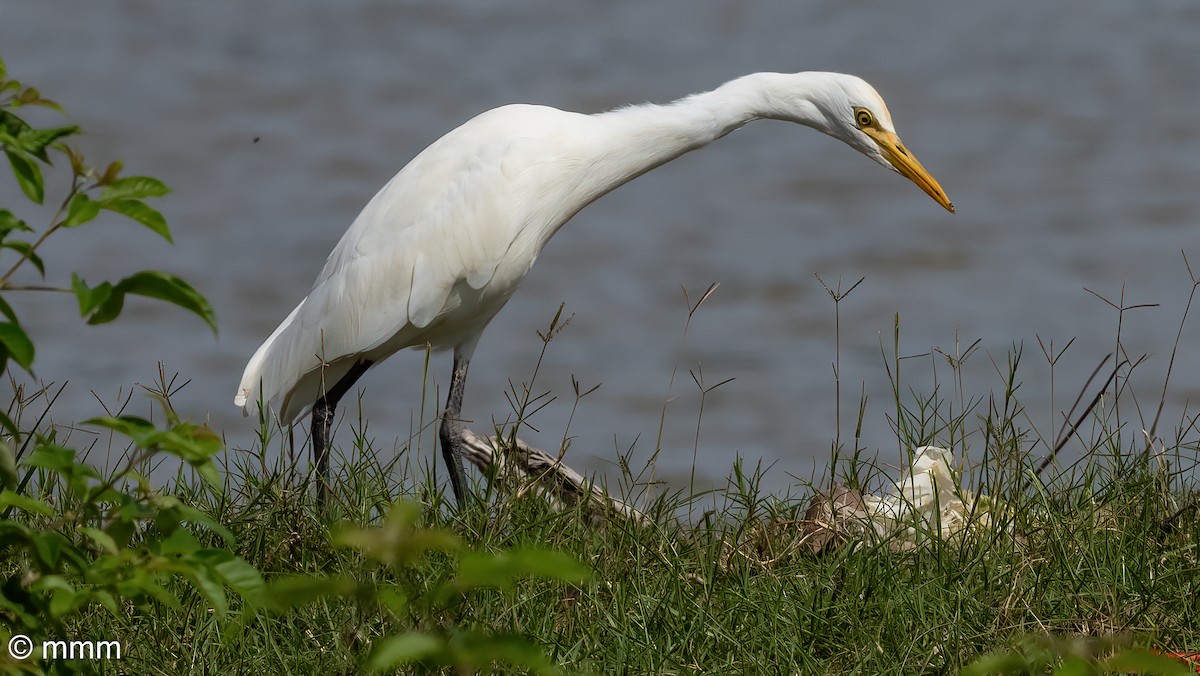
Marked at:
<point>261,379</point>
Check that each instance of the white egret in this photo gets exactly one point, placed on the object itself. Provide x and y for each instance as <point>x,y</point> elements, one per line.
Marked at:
<point>442,247</point>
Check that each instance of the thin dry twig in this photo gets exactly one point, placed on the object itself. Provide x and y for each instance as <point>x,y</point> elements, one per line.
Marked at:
<point>549,477</point>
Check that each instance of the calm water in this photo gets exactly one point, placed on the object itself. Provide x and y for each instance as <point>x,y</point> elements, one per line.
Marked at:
<point>1064,132</point>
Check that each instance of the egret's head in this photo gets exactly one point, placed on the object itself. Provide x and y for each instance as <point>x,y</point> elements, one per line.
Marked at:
<point>849,109</point>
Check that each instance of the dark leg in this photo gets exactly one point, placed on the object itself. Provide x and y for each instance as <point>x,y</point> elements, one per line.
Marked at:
<point>450,432</point>
<point>322,422</point>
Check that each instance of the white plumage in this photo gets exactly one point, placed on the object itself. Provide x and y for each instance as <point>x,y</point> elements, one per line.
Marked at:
<point>442,247</point>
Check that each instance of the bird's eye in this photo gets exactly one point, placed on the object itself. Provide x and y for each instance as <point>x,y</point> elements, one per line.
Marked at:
<point>863,117</point>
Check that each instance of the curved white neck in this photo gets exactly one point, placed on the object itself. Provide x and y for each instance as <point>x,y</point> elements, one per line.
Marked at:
<point>602,152</point>
<point>636,139</point>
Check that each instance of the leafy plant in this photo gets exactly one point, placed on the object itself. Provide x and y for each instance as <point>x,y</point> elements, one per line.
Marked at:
<point>91,191</point>
<point>419,638</point>
<point>71,540</point>
<point>85,542</point>
<point>76,546</point>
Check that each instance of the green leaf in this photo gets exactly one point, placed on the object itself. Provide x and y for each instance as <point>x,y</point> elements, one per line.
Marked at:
<point>26,249</point>
<point>110,172</point>
<point>78,164</point>
<point>195,516</point>
<point>104,598</point>
<point>63,596</point>
<point>13,533</point>
<point>142,583</point>
<point>142,431</point>
<point>34,141</point>
<point>292,592</point>
<point>398,540</point>
<point>393,598</point>
<point>47,103</point>
<point>208,584</point>
<point>51,457</point>
<point>28,175</point>
<point>483,650</point>
<point>158,285</point>
<point>18,345</point>
<point>62,602</point>
<point>25,503</point>
<point>81,210</point>
<point>195,444</point>
<point>7,310</point>
<point>502,569</point>
<point>30,96</point>
<point>234,571</point>
<point>49,548</point>
<point>104,493</point>
<point>1139,660</point>
<point>208,471</point>
<point>102,539</point>
<point>181,541</point>
<point>405,648</point>
<point>89,298</point>
<point>51,582</point>
<point>998,663</point>
<point>138,211</point>
<point>9,223</point>
<point>121,530</point>
<point>134,187</point>
<point>9,426</point>
<point>8,466</point>
<point>1074,665</point>
<point>11,126</point>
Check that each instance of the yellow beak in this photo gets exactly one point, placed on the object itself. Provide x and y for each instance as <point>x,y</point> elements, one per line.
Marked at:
<point>907,164</point>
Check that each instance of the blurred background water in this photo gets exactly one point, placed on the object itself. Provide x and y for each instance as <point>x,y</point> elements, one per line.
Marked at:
<point>1066,134</point>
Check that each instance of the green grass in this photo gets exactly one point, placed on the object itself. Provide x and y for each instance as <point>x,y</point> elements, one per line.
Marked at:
<point>732,591</point>
<point>1076,563</point>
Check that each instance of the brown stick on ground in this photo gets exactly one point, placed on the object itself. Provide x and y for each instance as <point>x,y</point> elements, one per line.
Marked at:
<point>556,482</point>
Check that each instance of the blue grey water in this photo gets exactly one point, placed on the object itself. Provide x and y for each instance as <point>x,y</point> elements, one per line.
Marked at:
<point>1066,133</point>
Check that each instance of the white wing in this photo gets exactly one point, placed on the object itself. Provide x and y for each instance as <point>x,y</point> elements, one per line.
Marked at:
<point>438,229</point>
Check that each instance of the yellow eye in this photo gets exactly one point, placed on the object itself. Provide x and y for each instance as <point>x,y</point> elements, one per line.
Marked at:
<point>863,117</point>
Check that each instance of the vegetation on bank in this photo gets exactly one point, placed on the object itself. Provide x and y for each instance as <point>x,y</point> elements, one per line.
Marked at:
<point>1085,568</point>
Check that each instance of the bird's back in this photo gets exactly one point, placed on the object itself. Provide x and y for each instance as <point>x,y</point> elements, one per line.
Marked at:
<point>431,257</point>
